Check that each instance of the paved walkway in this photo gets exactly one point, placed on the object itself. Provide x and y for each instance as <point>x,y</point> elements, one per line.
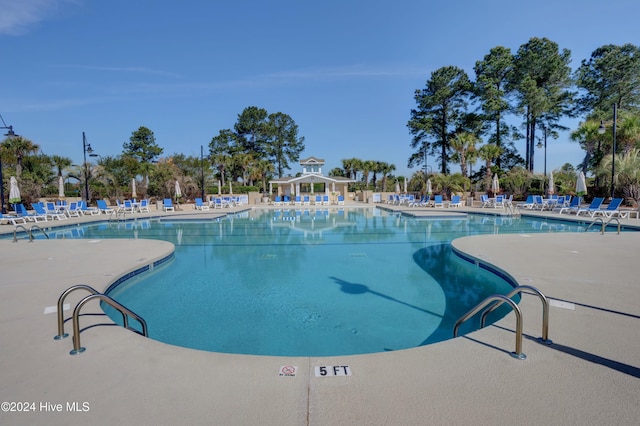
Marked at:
<point>588,376</point>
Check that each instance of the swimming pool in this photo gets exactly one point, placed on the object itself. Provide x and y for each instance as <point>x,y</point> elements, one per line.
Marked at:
<point>310,283</point>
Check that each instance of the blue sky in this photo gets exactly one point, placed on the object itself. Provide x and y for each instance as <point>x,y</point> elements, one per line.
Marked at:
<point>345,71</point>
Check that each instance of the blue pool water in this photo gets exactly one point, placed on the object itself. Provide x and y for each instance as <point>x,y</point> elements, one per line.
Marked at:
<point>306,283</point>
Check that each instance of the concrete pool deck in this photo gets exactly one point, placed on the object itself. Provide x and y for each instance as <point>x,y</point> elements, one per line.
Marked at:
<point>589,375</point>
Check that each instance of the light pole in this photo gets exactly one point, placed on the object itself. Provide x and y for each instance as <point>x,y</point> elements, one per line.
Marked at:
<point>601,131</point>
<point>9,134</point>
<point>86,147</point>
<point>544,133</point>
<point>202,169</point>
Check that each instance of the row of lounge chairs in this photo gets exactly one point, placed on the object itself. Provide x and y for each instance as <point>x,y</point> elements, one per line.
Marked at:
<point>320,200</point>
<point>425,201</point>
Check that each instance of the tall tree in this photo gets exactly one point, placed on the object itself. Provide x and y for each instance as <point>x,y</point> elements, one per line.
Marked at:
<point>610,76</point>
<point>143,148</point>
<point>251,131</point>
<point>540,81</point>
<point>440,106</point>
<point>221,150</point>
<point>493,75</point>
<point>283,144</point>
<point>464,146</point>
<point>60,163</point>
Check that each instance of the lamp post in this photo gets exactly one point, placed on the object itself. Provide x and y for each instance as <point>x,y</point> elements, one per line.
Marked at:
<point>9,134</point>
<point>544,133</point>
<point>202,169</point>
<point>601,131</point>
<point>86,147</point>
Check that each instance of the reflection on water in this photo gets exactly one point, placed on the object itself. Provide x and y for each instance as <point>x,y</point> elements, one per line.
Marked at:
<point>301,282</point>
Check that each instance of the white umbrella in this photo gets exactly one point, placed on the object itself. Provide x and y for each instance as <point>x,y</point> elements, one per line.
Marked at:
<point>581,185</point>
<point>405,185</point>
<point>134,194</point>
<point>397,187</point>
<point>178,191</point>
<point>429,189</point>
<point>219,189</point>
<point>60,187</point>
<point>14,191</point>
<point>551,189</point>
<point>495,184</point>
<point>230,188</point>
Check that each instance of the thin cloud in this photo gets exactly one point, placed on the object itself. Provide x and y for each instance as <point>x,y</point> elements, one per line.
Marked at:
<point>353,71</point>
<point>139,70</point>
<point>17,17</point>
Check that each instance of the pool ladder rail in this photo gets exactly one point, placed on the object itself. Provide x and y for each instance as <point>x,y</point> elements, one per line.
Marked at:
<point>492,303</point>
<point>28,232</point>
<point>603,224</point>
<point>95,294</point>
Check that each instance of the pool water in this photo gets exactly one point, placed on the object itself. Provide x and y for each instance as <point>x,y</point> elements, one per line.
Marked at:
<point>307,283</point>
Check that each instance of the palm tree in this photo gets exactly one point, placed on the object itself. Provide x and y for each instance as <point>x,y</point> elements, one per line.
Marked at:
<point>60,163</point>
<point>463,144</point>
<point>489,153</point>
<point>386,169</point>
<point>627,174</point>
<point>367,167</point>
<point>590,141</point>
<point>19,147</point>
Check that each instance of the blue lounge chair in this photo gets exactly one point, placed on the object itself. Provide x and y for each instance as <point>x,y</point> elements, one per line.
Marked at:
<point>572,207</point>
<point>14,220</point>
<point>455,201</point>
<point>144,206</point>
<point>167,205</point>
<point>595,205</point>
<point>200,205</point>
<point>611,210</point>
<point>438,201</point>
<point>21,211</point>
<point>325,200</point>
<point>340,200</point>
<point>102,206</point>
<point>82,205</point>
<point>40,210</point>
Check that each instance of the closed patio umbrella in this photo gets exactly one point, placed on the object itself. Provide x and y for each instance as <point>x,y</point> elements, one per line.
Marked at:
<point>495,184</point>
<point>581,185</point>
<point>178,191</point>
<point>397,187</point>
<point>134,194</point>
<point>429,189</point>
<point>219,189</point>
<point>405,185</point>
<point>14,191</point>
<point>551,189</point>
<point>230,188</point>
<point>60,187</point>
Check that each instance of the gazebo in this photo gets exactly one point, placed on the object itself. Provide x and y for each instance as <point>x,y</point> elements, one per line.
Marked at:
<point>311,175</point>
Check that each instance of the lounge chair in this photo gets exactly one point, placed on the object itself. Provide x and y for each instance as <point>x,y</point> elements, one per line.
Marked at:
<point>73,210</point>
<point>144,206</point>
<point>455,201</point>
<point>298,200</point>
<point>438,201</point>
<point>167,205</point>
<point>573,206</point>
<point>199,205</point>
<point>611,210</point>
<point>277,201</point>
<point>82,205</point>
<point>340,200</point>
<point>595,205</point>
<point>37,216</point>
<point>318,200</point>
<point>102,206</point>
<point>14,220</point>
<point>420,202</point>
<point>325,200</point>
<point>486,201</point>
<point>305,200</point>
<point>286,200</point>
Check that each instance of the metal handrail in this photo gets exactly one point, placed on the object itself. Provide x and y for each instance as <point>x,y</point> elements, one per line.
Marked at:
<point>604,225</point>
<point>39,228</point>
<point>545,309</point>
<point>121,308</point>
<point>27,231</point>
<point>61,333</point>
<point>610,220</point>
<point>15,233</point>
<point>518,352</point>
